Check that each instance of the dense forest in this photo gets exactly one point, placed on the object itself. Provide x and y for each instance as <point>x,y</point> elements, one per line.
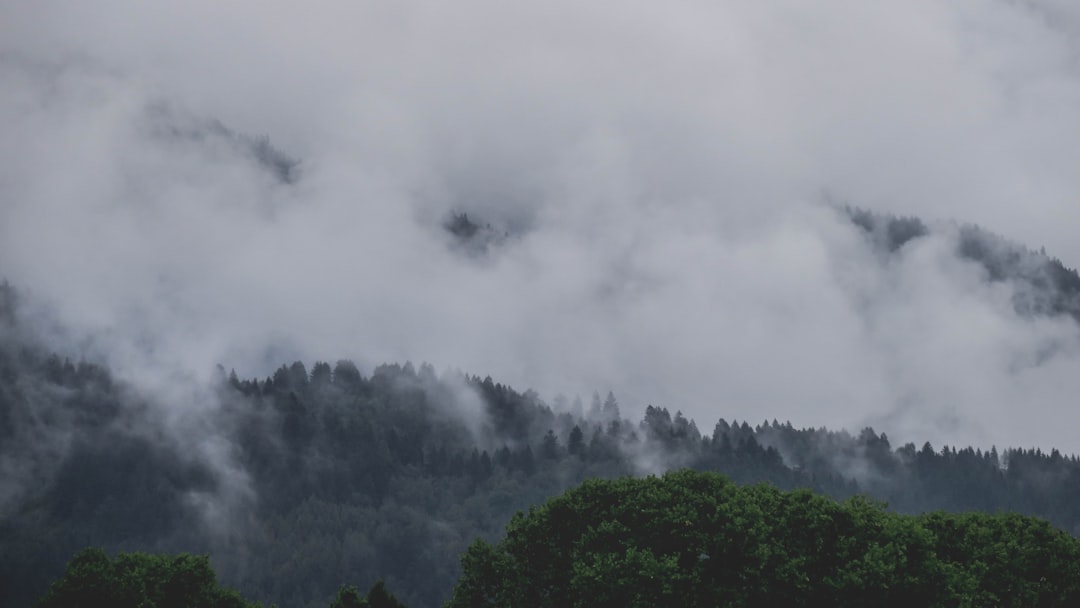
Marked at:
<point>696,540</point>
<point>311,478</point>
<point>149,580</point>
<point>685,539</point>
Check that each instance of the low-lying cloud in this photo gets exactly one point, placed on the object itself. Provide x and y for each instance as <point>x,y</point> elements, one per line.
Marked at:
<point>662,176</point>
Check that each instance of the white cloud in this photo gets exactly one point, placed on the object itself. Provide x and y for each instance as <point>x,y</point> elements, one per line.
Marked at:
<point>662,166</point>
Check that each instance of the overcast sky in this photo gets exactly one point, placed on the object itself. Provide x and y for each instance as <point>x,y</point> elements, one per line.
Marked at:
<point>664,171</point>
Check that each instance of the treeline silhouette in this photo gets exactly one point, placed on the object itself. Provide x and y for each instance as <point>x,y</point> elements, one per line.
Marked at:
<point>350,478</point>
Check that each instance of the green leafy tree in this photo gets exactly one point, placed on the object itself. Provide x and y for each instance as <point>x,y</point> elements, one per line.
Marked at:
<point>140,580</point>
<point>696,539</point>
<point>377,597</point>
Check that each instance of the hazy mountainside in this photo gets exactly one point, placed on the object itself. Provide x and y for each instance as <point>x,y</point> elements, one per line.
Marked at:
<point>310,478</point>
<point>326,292</point>
<point>1045,286</point>
<point>210,137</point>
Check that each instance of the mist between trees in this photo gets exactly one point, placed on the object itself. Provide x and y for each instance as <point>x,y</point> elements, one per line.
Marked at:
<point>308,479</point>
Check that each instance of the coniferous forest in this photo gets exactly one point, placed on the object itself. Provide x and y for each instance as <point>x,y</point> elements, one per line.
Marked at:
<point>310,479</point>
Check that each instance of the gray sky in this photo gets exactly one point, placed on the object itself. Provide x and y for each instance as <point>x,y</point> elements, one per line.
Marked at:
<point>663,167</point>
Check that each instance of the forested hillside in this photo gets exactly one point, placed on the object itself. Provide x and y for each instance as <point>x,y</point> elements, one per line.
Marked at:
<point>311,478</point>
<point>312,299</point>
<point>1043,285</point>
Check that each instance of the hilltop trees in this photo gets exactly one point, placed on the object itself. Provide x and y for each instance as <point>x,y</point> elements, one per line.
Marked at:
<point>366,476</point>
<point>696,539</point>
<point>377,597</point>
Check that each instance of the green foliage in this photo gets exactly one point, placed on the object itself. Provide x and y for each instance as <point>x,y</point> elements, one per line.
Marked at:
<point>377,597</point>
<point>348,597</point>
<point>140,580</point>
<point>144,580</point>
<point>696,539</point>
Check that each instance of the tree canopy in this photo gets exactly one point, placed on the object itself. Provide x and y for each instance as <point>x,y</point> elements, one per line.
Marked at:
<point>140,580</point>
<point>697,539</point>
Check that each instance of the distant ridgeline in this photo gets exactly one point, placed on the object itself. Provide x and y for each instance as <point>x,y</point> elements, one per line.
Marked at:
<point>308,479</point>
<point>1046,285</point>
<point>211,137</point>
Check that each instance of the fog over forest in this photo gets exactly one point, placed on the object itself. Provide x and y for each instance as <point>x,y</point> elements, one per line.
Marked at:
<point>655,197</point>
